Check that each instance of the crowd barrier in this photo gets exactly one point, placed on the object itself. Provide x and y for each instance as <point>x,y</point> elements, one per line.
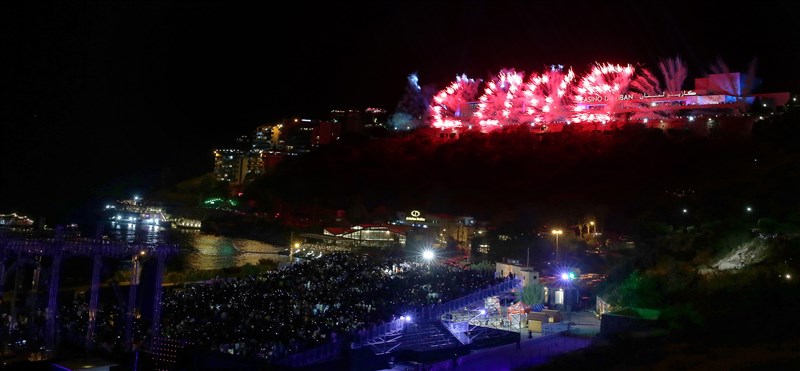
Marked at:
<point>427,313</point>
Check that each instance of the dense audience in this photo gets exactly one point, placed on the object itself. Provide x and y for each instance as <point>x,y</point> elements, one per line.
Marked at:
<point>269,315</point>
<point>22,331</point>
<point>309,303</point>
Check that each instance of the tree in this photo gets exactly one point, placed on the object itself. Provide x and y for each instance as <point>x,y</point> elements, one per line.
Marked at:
<point>638,290</point>
<point>533,294</point>
<point>483,266</point>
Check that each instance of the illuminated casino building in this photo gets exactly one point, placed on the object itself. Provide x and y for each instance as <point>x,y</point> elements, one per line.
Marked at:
<point>608,96</point>
<point>436,230</point>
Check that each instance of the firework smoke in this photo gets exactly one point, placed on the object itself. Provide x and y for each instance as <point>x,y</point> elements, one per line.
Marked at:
<point>674,72</point>
<point>412,110</point>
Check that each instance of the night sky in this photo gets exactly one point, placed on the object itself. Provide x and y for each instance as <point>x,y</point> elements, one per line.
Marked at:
<point>101,98</point>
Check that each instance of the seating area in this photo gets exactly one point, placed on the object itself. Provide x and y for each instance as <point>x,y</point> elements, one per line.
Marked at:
<point>487,336</point>
<point>423,337</point>
<point>427,342</point>
<point>432,342</point>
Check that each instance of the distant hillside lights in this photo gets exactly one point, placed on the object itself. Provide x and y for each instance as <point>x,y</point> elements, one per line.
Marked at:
<point>135,211</point>
<point>187,223</point>
<point>14,220</point>
<point>218,202</point>
<point>259,153</point>
<point>131,212</point>
<point>230,165</point>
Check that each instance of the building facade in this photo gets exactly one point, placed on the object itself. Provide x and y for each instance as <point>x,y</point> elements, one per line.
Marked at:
<point>231,165</point>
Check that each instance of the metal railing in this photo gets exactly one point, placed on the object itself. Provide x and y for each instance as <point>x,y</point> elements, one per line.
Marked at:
<point>434,312</point>
<point>364,337</point>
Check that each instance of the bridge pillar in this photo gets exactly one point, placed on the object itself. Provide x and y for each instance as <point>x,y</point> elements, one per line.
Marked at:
<point>134,284</point>
<point>52,305</point>
<point>90,328</point>
<point>156,327</point>
<point>32,303</point>
<point>58,250</point>
<point>2,270</point>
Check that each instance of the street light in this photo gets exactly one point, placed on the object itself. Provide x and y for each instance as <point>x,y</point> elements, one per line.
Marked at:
<point>557,232</point>
<point>567,278</point>
<point>528,262</point>
<point>428,255</point>
<point>594,229</point>
<point>292,247</point>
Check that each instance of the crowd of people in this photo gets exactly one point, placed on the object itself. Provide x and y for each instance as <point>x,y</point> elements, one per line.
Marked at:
<point>308,303</point>
<point>269,315</point>
<point>21,332</point>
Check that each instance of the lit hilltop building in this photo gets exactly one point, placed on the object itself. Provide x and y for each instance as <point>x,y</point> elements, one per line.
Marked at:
<point>248,158</point>
<point>259,154</point>
<point>359,122</point>
<point>266,141</point>
<point>271,143</point>
<point>230,165</point>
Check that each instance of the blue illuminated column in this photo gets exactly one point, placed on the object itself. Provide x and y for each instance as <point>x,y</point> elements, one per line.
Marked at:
<point>93,301</point>
<point>52,303</point>
<point>52,298</point>
<point>2,269</point>
<point>157,296</point>
<point>134,284</point>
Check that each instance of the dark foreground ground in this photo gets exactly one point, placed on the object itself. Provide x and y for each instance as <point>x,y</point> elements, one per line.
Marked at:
<point>735,352</point>
<point>662,353</point>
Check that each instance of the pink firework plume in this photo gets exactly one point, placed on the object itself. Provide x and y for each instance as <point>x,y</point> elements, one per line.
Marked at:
<point>645,82</point>
<point>674,72</point>
<point>721,67</point>
<point>496,107</point>
<point>450,104</point>
<point>728,87</point>
<point>750,79</point>
<point>597,94</point>
<point>548,97</point>
<point>731,86</point>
